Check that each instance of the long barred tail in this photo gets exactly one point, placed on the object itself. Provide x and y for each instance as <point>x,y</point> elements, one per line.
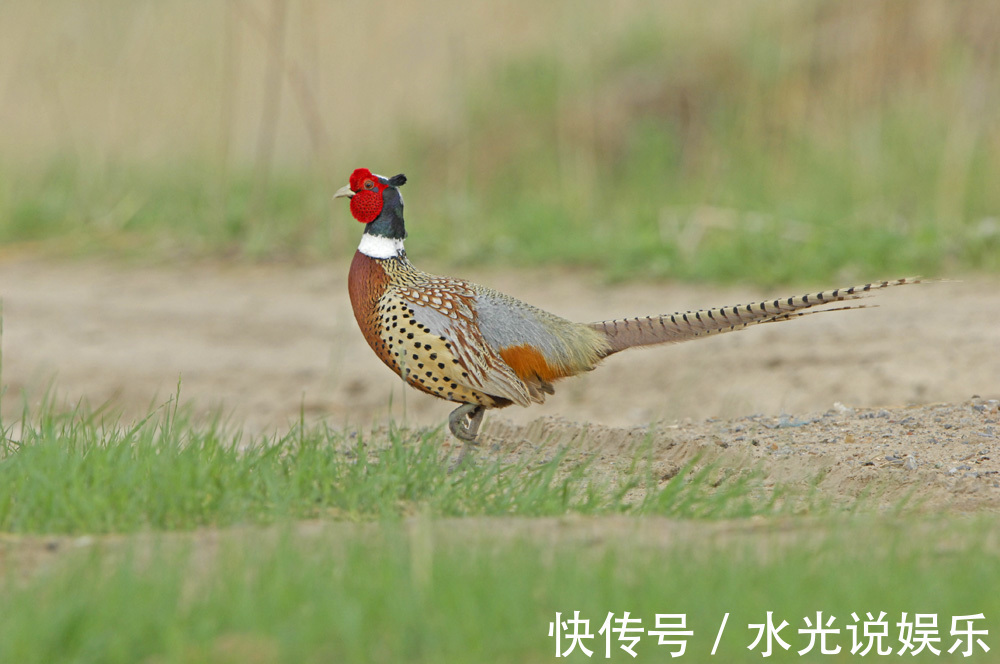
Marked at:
<point>674,328</point>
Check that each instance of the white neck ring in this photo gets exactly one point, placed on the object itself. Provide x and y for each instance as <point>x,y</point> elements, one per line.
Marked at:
<point>375,246</point>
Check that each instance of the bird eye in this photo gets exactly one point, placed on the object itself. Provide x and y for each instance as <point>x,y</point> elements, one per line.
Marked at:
<point>369,184</point>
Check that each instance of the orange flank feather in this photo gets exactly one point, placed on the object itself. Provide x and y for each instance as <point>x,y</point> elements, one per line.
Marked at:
<point>528,364</point>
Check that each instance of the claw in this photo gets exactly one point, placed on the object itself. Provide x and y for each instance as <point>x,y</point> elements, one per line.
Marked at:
<point>464,423</point>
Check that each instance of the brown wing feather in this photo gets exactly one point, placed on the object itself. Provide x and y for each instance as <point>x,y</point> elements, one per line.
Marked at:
<point>453,304</point>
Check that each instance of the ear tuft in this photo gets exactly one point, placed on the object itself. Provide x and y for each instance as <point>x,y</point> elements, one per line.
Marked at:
<point>397,180</point>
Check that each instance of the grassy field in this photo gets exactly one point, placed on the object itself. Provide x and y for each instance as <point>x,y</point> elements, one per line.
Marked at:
<point>316,546</point>
<point>422,594</point>
<point>760,142</point>
<point>166,472</point>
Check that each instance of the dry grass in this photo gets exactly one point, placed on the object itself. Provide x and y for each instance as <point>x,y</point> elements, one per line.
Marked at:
<point>700,134</point>
<point>151,81</point>
<point>117,79</point>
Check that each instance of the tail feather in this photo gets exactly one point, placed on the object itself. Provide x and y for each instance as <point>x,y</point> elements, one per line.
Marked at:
<point>674,328</point>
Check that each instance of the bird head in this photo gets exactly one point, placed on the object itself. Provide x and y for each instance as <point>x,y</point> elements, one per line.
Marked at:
<point>376,202</point>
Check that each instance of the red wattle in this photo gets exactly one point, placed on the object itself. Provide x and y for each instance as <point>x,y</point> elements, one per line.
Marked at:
<point>366,205</point>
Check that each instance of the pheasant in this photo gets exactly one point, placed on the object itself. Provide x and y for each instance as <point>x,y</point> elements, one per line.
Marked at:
<point>480,348</point>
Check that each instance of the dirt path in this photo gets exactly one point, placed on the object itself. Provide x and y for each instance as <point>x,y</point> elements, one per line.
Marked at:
<point>931,457</point>
<point>263,342</point>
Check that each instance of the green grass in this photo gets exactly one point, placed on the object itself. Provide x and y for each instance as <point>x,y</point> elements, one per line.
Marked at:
<point>322,545</point>
<point>791,142</point>
<point>83,471</point>
<point>420,593</point>
<point>755,154</point>
<point>164,211</point>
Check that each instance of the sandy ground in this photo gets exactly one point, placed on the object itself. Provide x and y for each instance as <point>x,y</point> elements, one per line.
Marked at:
<point>884,395</point>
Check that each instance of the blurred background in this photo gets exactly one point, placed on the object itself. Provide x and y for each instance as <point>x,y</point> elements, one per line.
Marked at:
<point>765,142</point>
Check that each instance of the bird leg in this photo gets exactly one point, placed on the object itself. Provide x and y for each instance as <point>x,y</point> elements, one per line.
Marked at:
<point>475,419</point>
<point>464,423</point>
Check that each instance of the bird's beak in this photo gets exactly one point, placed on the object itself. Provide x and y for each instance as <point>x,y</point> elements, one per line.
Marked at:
<point>344,192</point>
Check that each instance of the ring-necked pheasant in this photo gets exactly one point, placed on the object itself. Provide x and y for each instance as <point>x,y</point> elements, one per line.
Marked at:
<point>480,348</point>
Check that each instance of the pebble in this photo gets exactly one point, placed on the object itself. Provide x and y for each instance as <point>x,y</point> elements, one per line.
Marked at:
<point>785,422</point>
<point>991,406</point>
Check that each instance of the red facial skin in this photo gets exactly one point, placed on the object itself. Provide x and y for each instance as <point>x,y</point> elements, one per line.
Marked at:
<point>366,204</point>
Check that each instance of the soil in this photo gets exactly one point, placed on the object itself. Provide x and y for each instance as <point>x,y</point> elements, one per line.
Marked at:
<point>901,398</point>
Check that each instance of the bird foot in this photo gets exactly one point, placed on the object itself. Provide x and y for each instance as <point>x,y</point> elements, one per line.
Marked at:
<point>464,423</point>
